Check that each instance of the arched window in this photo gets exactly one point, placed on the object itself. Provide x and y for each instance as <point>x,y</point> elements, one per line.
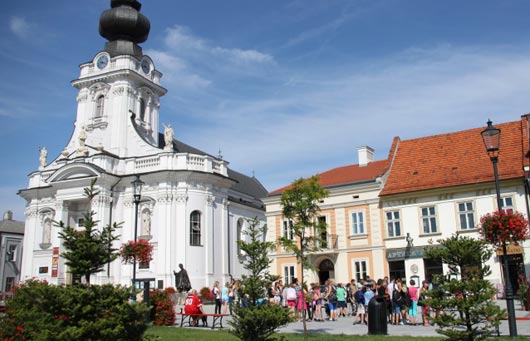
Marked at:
<point>100,105</point>
<point>239,235</point>
<point>195,228</point>
<point>142,109</point>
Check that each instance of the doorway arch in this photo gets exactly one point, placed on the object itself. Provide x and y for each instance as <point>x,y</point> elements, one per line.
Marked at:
<point>326,270</point>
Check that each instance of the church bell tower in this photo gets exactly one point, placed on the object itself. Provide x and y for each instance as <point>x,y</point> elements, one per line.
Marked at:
<point>119,90</point>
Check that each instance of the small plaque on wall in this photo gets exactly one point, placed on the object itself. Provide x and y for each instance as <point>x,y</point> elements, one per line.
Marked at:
<point>43,270</point>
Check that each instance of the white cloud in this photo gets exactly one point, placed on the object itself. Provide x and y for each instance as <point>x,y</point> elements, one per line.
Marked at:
<point>177,72</point>
<point>20,27</point>
<point>300,119</point>
<point>191,63</point>
<point>323,117</point>
<point>245,56</point>
<point>181,41</point>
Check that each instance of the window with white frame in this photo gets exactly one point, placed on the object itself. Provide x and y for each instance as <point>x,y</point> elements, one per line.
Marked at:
<point>288,231</point>
<point>288,274</point>
<point>428,217</point>
<point>195,228</point>
<point>360,269</point>
<point>507,204</point>
<point>466,215</point>
<point>11,253</point>
<point>357,222</point>
<point>393,224</point>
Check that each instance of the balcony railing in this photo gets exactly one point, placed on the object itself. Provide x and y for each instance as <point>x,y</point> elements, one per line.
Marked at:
<point>331,243</point>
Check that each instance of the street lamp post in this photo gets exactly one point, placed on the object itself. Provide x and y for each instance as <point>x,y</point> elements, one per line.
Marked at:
<point>492,139</point>
<point>137,192</point>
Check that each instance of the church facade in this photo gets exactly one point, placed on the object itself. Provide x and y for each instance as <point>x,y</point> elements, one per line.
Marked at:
<point>193,207</point>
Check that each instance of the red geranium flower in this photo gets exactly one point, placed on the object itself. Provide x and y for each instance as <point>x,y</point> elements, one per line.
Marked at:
<point>503,226</point>
<point>141,251</point>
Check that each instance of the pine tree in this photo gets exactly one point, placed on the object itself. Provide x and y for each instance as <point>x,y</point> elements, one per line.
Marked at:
<point>87,250</point>
<point>259,320</point>
<point>467,302</point>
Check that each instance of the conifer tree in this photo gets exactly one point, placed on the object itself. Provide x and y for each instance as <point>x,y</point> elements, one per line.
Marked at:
<point>257,320</point>
<point>470,313</point>
<point>87,250</point>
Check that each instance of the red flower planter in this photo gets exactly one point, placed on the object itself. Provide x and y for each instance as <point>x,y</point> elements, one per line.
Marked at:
<point>141,251</point>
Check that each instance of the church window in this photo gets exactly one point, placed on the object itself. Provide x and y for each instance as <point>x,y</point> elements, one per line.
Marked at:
<point>100,105</point>
<point>142,109</point>
<point>195,228</point>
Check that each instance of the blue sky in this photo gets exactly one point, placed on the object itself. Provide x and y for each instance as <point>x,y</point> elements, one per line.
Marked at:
<point>285,88</point>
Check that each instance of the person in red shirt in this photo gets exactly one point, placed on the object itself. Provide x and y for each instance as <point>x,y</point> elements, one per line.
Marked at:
<point>193,305</point>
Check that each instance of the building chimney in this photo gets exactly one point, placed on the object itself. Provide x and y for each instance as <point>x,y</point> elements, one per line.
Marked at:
<point>365,155</point>
<point>8,215</point>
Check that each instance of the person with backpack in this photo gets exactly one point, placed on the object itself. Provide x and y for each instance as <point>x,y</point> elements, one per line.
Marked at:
<point>397,303</point>
<point>290,297</point>
<point>331,296</point>
<point>360,302</point>
<point>317,299</point>
<point>341,300</point>
<point>405,304</point>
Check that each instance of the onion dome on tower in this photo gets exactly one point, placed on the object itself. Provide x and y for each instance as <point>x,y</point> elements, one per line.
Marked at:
<point>124,27</point>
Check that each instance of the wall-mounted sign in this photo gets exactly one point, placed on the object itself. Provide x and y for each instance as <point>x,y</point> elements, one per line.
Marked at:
<point>55,262</point>
<point>510,250</point>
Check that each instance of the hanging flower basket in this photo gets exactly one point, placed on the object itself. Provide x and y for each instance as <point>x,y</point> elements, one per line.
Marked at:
<point>502,227</point>
<point>141,251</point>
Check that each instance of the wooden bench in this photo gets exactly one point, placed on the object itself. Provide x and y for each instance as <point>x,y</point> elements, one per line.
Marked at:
<point>187,319</point>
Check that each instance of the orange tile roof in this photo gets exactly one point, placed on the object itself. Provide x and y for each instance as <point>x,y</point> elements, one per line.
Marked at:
<point>347,175</point>
<point>457,158</point>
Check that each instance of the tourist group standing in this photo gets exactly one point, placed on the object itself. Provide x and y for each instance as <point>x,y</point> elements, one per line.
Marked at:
<point>328,302</point>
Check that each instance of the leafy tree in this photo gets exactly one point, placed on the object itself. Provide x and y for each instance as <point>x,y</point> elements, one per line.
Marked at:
<point>300,205</point>
<point>259,320</point>
<point>88,250</point>
<point>467,303</point>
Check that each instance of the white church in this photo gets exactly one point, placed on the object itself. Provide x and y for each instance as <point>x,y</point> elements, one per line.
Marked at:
<point>192,207</point>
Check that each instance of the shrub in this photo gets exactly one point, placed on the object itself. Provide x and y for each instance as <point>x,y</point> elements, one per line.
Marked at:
<point>40,311</point>
<point>259,322</point>
<point>162,308</point>
<point>206,294</point>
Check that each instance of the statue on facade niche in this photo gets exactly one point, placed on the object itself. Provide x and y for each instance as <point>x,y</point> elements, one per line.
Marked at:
<point>43,155</point>
<point>82,150</point>
<point>47,231</point>
<point>146,223</point>
<point>168,138</point>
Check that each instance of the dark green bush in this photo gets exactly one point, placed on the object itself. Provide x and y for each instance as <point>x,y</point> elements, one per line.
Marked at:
<point>259,322</point>
<point>40,311</point>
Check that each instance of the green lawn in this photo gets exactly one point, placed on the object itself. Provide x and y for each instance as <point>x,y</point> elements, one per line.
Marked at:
<point>173,333</point>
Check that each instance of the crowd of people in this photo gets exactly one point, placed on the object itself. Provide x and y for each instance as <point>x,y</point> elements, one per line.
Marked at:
<point>404,301</point>
<point>331,301</point>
